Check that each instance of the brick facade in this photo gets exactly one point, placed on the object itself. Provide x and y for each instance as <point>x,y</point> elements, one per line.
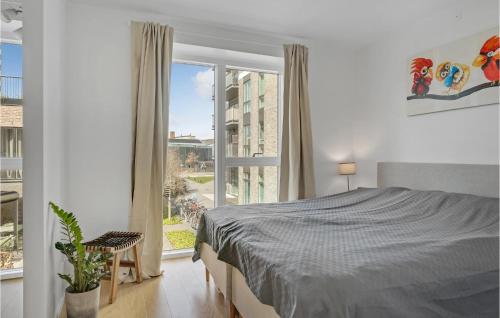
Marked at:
<point>11,116</point>
<point>267,116</point>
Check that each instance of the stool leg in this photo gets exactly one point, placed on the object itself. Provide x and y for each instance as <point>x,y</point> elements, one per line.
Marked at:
<point>138,270</point>
<point>114,277</point>
<point>233,312</point>
<point>107,269</point>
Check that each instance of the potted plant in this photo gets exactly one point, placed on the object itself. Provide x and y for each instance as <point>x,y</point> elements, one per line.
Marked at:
<point>82,294</point>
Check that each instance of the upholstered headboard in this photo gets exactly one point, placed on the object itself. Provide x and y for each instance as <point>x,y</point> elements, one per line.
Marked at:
<point>461,178</point>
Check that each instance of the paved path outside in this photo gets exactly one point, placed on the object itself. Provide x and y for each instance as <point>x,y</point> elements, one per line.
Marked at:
<point>203,192</point>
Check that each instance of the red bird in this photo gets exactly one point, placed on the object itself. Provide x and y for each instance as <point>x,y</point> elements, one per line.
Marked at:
<point>488,59</point>
<point>421,68</point>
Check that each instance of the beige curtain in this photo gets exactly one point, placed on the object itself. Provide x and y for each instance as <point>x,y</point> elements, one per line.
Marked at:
<point>151,63</point>
<point>296,169</point>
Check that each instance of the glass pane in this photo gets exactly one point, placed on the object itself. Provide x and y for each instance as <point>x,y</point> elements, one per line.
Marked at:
<point>11,153</point>
<point>246,185</point>
<point>189,182</point>
<point>251,113</point>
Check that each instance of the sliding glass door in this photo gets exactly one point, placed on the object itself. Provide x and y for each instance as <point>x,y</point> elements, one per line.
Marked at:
<point>223,142</point>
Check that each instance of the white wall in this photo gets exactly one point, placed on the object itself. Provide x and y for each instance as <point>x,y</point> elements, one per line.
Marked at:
<point>381,129</point>
<point>331,89</point>
<point>98,118</point>
<point>55,128</point>
<point>43,154</point>
<point>34,215</point>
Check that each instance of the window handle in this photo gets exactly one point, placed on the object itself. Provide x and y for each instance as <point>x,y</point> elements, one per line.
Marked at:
<point>257,153</point>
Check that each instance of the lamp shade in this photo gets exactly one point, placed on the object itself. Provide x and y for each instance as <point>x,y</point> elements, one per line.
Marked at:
<point>347,168</point>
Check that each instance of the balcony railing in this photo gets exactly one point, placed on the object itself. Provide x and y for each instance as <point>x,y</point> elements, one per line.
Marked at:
<point>232,79</point>
<point>11,87</point>
<point>231,116</point>
<point>233,139</point>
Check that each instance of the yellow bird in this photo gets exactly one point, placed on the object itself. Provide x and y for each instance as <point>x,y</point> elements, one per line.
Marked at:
<point>453,75</point>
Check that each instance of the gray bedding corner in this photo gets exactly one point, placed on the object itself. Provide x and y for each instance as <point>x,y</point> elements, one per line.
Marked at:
<point>366,253</point>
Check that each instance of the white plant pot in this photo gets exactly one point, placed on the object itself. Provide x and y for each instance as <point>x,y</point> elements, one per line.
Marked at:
<point>83,305</point>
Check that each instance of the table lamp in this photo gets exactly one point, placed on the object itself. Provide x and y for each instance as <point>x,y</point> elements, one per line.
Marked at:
<point>347,169</point>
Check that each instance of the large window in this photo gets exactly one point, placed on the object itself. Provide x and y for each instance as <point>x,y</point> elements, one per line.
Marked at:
<point>223,141</point>
<point>11,155</point>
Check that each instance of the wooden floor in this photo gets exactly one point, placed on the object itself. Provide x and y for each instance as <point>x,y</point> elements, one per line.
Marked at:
<point>180,292</point>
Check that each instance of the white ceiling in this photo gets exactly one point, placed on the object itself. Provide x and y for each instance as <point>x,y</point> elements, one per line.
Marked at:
<point>8,35</point>
<point>8,29</point>
<point>353,22</point>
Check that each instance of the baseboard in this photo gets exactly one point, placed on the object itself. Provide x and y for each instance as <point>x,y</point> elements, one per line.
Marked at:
<point>59,308</point>
<point>188,252</point>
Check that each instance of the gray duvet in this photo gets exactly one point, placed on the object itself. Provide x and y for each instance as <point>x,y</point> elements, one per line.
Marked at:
<point>366,253</point>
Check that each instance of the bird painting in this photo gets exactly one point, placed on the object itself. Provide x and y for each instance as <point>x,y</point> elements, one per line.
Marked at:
<point>421,69</point>
<point>488,59</point>
<point>459,74</point>
<point>453,75</point>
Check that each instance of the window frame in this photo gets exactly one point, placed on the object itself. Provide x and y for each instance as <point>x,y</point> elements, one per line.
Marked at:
<point>226,59</point>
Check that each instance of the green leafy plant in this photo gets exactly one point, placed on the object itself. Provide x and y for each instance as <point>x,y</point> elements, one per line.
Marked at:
<point>201,179</point>
<point>88,268</point>
<point>6,246</point>
<point>174,220</point>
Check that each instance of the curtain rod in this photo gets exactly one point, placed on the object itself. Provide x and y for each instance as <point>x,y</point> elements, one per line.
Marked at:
<point>285,39</point>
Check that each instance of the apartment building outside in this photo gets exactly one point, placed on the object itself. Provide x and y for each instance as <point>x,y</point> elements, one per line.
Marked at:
<point>251,131</point>
<point>184,146</point>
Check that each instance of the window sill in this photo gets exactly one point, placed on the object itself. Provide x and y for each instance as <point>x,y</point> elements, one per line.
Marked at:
<point>188,252</point>
<point>11,273</point>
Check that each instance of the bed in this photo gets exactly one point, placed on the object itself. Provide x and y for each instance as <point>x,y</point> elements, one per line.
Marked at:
<point>384,252</point>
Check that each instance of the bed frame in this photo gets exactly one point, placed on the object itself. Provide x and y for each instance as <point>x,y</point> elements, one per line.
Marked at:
<point>450,177</point>
<point>238,298</point>
<point>474,179</point>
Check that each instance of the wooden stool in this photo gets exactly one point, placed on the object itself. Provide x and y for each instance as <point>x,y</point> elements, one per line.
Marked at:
<point>117,243</point>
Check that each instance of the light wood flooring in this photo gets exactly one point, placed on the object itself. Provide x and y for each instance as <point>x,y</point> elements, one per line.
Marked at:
<point>180,292</point>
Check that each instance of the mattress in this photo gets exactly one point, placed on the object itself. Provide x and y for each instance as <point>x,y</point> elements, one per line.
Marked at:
<point>391,252</point>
